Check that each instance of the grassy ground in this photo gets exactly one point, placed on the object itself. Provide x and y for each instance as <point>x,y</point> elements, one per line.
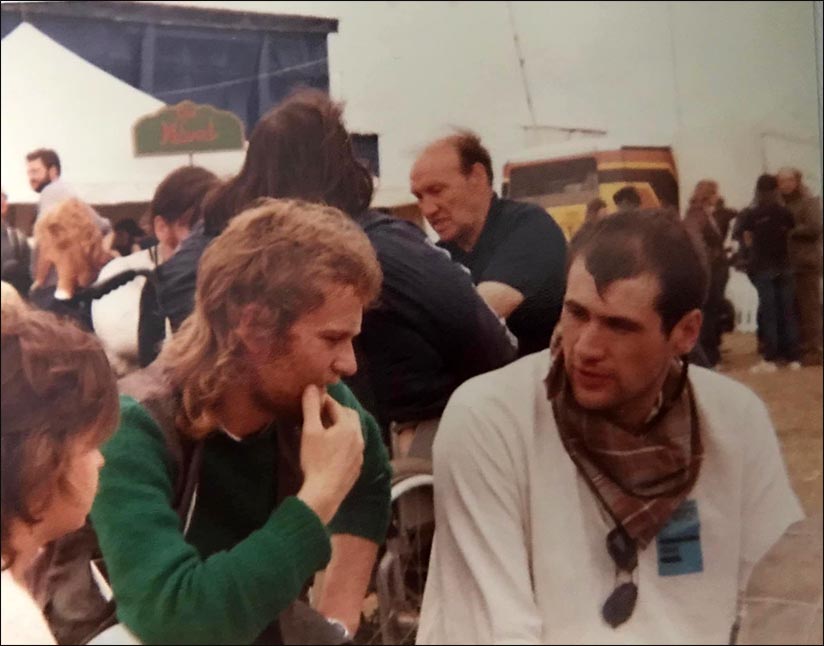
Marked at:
<point>795,403</point>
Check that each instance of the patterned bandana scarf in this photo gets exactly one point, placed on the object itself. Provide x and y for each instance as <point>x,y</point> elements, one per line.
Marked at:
<point>642,477</point>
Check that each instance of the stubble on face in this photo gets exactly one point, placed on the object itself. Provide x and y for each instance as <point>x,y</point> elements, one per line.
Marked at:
<point>40,179</point>
<point>616,354</point>
<point>276,404</point>
<point>286,407</point>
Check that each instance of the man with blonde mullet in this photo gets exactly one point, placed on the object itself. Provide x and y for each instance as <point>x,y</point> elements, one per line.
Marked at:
<point>290,474</point>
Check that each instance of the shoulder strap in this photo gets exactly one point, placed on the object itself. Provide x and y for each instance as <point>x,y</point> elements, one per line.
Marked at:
<point>151,388</point>
<point>99,290</point>
<point>151,324</point>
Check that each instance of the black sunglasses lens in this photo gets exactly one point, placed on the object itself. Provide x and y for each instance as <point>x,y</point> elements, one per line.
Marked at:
<point>622,550</point>
<point>620,604</point>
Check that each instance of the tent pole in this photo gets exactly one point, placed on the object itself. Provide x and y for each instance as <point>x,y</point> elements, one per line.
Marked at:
<point>191,160</point>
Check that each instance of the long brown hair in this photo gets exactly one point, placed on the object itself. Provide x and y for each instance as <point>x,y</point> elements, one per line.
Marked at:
<point>299,150</point>
<point>704,191</point>
<point>57,389</point>
<point>282,255</point>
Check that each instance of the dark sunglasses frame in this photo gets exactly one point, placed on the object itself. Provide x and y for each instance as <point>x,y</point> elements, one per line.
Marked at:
<point>620,605</point>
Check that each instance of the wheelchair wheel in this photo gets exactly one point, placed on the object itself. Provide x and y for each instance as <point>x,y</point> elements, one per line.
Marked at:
<point>400,573</point>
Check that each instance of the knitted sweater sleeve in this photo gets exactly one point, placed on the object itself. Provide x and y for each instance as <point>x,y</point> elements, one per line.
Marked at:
<point>365,511</point>
<point>165,592</point>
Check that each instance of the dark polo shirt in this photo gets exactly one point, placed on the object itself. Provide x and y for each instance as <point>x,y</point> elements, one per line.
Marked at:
<point>523,247</point>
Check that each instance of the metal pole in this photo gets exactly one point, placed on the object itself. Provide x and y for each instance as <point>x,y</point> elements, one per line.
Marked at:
<point>522,63</point>
<point>817,15</point>
<point>764,163</point>
<point>675,89</point>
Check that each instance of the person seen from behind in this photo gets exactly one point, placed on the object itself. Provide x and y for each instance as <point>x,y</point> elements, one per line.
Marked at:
<point>764,229</point>
<point>68,240</point>
<point>128,320</point>
<point>627,199</point>
<point>596,210</point>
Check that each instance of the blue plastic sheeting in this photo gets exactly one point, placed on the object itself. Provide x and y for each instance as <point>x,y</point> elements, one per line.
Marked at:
<point>245,71</point>
<point>243,62</point>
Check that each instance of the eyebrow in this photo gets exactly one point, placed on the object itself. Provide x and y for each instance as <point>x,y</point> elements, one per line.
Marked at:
<point>428,186</point>
<point>339,332</point>
<point>612,321</point>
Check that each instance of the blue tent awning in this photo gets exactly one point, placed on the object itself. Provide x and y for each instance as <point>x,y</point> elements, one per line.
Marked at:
<point>238,61</point>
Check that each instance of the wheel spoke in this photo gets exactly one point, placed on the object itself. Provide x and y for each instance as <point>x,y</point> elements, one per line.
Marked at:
<point>400,575</point>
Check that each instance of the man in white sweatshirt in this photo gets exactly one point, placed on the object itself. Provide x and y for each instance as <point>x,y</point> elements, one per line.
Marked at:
<point>603,491</point>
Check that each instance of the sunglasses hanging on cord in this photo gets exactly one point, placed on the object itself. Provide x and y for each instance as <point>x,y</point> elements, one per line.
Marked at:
<point>620,605</point>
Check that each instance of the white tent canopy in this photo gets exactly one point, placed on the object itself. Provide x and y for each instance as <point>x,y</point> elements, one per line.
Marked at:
<point>52,98</point>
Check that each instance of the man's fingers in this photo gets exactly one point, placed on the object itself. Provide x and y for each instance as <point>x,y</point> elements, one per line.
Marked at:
<point>340,414</point>
<point>354,419</point>
<point>311,404</point>
<point>332,409</point>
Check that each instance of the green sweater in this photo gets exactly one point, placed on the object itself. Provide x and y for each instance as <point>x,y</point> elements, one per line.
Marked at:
<point>243,560</point>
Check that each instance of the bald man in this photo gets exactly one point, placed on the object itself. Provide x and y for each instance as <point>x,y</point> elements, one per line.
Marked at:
<point>515,252</point>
